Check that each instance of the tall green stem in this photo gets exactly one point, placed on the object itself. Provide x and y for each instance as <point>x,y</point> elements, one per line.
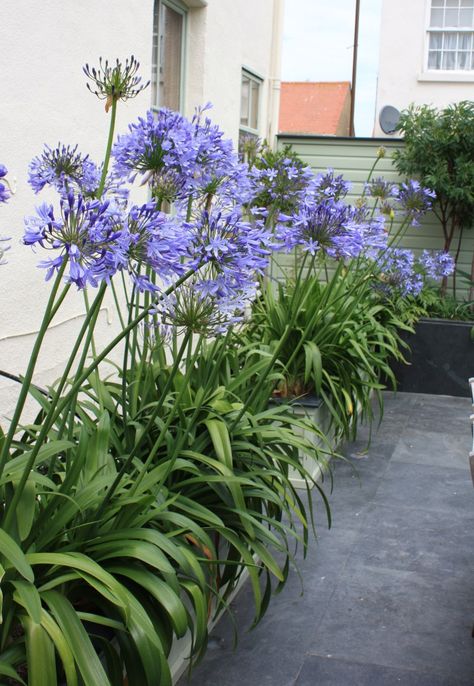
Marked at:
<point>49,313</point>
<point>55,411</point>
<point>108,150</point>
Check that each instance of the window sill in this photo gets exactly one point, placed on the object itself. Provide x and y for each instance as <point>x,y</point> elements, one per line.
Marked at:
<point>447,76</point>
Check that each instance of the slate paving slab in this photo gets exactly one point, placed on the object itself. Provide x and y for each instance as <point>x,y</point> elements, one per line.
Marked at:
<point>389,589</point>
<point>331,672</point>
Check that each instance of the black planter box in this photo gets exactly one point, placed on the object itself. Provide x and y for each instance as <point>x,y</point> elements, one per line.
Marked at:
<point>441,358</point>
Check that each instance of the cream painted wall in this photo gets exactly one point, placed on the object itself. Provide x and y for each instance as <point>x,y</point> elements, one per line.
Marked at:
<point>402,77</point>
<point>45,100</point>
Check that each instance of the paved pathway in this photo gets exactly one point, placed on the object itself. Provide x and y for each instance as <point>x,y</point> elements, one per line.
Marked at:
<point>389,590</point>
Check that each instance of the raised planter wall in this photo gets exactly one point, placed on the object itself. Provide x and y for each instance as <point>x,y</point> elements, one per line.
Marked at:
<point>441,358</point>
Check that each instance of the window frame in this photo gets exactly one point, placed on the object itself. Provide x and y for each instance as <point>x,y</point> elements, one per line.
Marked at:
<point>255,78</point>
<point>181,9</point>
<point>432,74</point>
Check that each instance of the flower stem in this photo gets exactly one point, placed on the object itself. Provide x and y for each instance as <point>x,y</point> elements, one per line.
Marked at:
<point>108,150</point>
<point>48,315</point>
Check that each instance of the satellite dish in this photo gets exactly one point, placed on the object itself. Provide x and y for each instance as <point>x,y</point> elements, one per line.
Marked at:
<point>388,118</point>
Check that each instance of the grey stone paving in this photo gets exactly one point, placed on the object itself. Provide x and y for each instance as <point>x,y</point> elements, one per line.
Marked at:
<point>389,590</point>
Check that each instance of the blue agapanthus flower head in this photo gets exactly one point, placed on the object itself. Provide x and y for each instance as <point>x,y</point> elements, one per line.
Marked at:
<point>5,190</point>
<point>329,186</point>
<point>436,264</point>
<point>160,148</point>
<point>230,247</point>
<point>155,246</point>
<point>217,169</point>
<point>415,200</point>
<point>84,233</point>
<point>398,272</point>
<point>192,307</point>
<point>65,169</point>
<point>331,227</point>
<point>280,182</point>
<point>381,189</point>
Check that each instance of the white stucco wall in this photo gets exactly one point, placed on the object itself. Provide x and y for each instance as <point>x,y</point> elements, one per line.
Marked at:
<point>402,76</point>
<point>45,100</point>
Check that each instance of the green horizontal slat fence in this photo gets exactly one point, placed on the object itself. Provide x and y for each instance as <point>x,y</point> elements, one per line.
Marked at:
<point>353,158</point>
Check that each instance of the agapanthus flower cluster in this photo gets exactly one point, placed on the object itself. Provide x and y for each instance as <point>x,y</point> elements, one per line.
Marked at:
<point>65,169</point>
<point>281,181</point>
<point>232,250</point>
<point>398,272</point>
<point>84,234</point>
<point>436,264</point>
<point>5,190</point>
<point>217,167</point>
<point>328,186</point>
<point>330,226</point>
<point>415,200</point>
<point>153,244</point>
<point>191,308</point>
<point>160,149</point>
<point>381,189</point>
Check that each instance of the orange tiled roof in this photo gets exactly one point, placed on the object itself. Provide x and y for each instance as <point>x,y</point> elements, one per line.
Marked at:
<point>320,108</point>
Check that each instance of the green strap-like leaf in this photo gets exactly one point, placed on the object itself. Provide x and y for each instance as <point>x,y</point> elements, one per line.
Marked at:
<point>26,594</point>
<point>62,647</point>
<point>161,592</point>
<point>25,512</point>
<point>40,655</point>
<point>7,670</point>
<point>85,656</point>
<point>12,552</point>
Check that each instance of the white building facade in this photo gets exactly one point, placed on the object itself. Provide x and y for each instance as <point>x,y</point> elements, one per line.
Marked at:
<point>226,52</point>
<point>426,54</point>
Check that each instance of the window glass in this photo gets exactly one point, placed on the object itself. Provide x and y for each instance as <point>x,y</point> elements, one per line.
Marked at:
<point>168,37</point>
<point>451,31</point>
<point>249,101</point>
<point>255,89</point>
<point>245,101</point>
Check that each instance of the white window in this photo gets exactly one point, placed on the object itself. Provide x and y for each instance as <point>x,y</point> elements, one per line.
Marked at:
<point>451,35</point>
<point>250,93</point>
<point>250,102</point>
<point>169,33</point>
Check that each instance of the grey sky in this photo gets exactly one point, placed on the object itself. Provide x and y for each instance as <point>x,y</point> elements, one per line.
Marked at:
<point>317,46</point>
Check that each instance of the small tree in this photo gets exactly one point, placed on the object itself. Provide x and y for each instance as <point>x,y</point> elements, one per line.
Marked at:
<point>439,150</point>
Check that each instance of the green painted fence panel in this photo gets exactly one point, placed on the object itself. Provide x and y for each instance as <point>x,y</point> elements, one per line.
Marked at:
<point>353,158</point>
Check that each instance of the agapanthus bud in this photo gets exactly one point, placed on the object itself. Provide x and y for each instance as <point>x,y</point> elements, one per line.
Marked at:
<point>113,83</point>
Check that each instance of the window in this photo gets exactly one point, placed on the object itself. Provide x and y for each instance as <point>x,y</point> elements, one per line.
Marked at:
<point>249,101</point>
<point>169,25</point>
<point>249,109</point>
<point>451,35</point>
